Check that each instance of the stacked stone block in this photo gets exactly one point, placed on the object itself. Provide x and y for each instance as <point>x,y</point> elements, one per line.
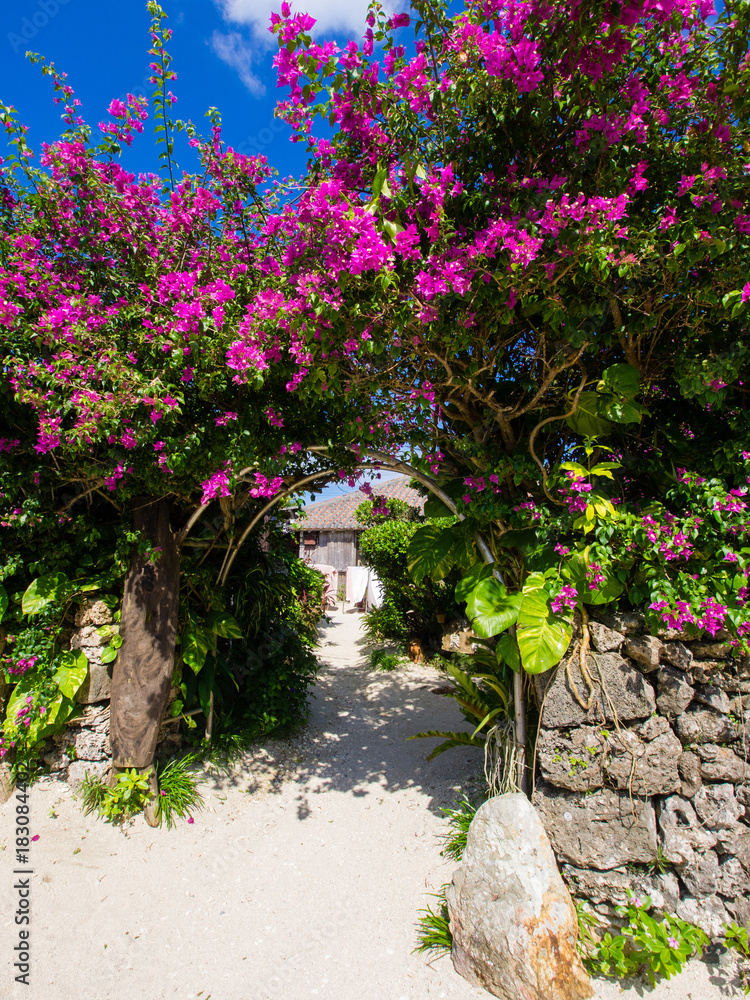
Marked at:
<point>647,790</point>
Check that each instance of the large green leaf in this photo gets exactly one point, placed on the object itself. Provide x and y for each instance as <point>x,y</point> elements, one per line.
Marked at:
<point>506,651</point>
<point>622,380</point>
<point>588,420</point>
<point>478,572</point>
<point>71,673</point>
<point>429,552</point>
<point>542,636</point>
<point>196,643</point>
<point>223,624</point>
<point>43,591</point>
<point>491,608</point>
<point>3,601</point>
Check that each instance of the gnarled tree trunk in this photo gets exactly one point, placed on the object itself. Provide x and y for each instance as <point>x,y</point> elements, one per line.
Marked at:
<point>143,670</point>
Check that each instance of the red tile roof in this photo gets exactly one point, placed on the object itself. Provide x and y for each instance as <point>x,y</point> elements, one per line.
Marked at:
<point>338,514</point>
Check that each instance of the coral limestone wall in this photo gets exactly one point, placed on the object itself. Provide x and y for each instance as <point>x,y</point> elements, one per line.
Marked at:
<point>642,774</point>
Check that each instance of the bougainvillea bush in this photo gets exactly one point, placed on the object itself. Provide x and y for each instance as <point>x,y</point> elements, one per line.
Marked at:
<point>123,301</point>
<point>528,226</point>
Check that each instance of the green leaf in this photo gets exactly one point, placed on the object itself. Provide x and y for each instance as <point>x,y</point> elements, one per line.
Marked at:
<point>542,637</point>
<point>43,591</point>
<point>622,380</point>
<point>506,651</point>
<point>109,654</point>
<point>477,573</point>
<point>587,419</point>
<point>224,625</point>
<point>429,552</point>
<point>491,608</point>
<point>196,643</point>
<point>453,740</point>
<point>71,673</point>
<point>3,601</point>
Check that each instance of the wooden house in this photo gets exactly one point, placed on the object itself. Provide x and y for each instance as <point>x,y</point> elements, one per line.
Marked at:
<point>327,532</point>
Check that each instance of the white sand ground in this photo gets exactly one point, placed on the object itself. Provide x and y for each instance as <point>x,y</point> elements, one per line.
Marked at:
<point>301,878</point>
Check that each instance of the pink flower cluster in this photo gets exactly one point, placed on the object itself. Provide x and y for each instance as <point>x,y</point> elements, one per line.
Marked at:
<point>710,614</point>
<point>217,485</point>
<point>567,597</point>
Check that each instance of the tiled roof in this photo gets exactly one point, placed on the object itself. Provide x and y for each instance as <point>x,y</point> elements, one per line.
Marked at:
<point>338,514</point>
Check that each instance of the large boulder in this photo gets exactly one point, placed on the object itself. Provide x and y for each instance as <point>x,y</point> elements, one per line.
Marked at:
<point>513,923</point>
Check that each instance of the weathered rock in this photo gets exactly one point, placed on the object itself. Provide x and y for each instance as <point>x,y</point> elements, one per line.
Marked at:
<point>604,830</point>
<point>93,613</point>
<point>92,744</point>
<point>732,880</point>
<point>89,635</point>
<point>627,622</point>
<point>604,639</point>
<point>689,766</point>
<point>700,878</point>
<point>717,806</point>
<point>677,654</point>
<point>7,785</point>
<point>681,832</point>
<point>705,726</point>
<point>706,671</point>
<point>80,768</point>
<point>669,888</point>
<point>675,694</point>
<point>709,914</point>
<point>644,650</point>
<point>739,910</point>
<point>736,842</point>
<point>711,650</point>
<point>721,764</point>
<point>571,759</point>
<point>644,768</point>
<point>627,690</point>
<point>97,686</point>
<point>657,725</point>
<point>513,923</point>
<point>610,887</point>
<point>714,697</point>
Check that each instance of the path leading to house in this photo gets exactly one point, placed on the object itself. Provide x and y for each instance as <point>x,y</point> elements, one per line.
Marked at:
<point>301,878</point>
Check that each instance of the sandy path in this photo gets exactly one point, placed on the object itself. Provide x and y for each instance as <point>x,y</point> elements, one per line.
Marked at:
<point>301,878</point>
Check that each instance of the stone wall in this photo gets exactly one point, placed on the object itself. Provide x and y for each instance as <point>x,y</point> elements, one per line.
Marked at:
<point>83,747</point>
<point>647,788</point>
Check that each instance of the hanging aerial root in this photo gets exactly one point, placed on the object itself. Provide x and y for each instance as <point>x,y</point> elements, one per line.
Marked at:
<point>583,652</point>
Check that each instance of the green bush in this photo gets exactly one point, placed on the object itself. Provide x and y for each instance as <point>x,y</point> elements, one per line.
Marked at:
<point>409,610</point>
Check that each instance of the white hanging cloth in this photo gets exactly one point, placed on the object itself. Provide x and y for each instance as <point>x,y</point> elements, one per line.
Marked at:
<point>375,592</point>
<point>356,583</point>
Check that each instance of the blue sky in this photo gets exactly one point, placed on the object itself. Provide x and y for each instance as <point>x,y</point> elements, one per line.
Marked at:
<point>222,54</point>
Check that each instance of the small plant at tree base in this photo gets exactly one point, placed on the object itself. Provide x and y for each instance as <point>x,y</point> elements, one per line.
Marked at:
<point>119,803</point>
<point>656,948</point>
<point>434,928</point>
<point>178,792</point>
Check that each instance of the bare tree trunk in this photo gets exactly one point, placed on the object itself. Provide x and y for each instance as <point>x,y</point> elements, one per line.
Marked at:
<point>142,673</point>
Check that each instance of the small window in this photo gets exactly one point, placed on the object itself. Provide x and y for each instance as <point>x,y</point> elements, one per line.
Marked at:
<point>311,538</point>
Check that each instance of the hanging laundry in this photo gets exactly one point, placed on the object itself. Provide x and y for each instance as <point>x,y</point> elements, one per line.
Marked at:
<point>375,592</point>
<point>356,583</point>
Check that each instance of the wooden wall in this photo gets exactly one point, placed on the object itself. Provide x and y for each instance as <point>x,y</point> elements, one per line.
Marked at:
<point>335,548</point>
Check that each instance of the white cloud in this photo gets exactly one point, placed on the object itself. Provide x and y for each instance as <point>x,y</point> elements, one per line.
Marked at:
<point>236,52</point>
<point>346,16</point>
